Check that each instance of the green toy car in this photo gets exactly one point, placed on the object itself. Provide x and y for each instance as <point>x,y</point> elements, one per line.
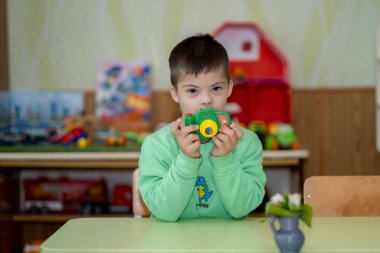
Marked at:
<point>281,136</point>
<point>209,122</point>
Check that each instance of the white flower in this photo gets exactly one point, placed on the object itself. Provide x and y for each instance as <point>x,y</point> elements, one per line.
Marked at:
<point>295,199</point>
<point>277,199</point>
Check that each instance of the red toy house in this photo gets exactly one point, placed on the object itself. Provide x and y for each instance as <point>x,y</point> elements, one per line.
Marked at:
<point>260,73</point>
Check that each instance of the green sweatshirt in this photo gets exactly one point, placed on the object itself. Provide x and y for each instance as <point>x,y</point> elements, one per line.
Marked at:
<point>175,186</point>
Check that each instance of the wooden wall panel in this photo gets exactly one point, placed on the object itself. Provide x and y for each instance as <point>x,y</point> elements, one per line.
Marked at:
<point>337,126</point>
<point>164,109</point>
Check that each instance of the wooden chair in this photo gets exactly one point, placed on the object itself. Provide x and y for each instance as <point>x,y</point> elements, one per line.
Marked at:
<point>139,208</point>
<point>343,195</point>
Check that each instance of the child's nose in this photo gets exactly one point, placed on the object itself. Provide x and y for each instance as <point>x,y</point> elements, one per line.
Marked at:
<point>206,100</point>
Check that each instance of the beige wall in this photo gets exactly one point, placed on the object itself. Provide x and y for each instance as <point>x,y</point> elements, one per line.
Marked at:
<point>4,72</point>
<point>57,44</point>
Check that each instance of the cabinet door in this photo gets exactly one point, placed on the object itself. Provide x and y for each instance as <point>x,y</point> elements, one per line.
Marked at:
<point>10,233</point>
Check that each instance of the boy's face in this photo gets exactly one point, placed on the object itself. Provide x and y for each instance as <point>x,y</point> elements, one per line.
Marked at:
<point>207,90</point>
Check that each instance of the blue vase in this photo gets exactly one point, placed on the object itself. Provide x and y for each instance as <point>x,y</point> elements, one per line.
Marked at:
<point>289,238</point>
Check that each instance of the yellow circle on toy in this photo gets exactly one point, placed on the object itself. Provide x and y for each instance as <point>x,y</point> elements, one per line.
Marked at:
<point>82,143</point>
<point>208,128</point>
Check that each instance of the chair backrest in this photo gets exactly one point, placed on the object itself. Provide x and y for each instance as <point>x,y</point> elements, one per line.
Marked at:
<point>139,207</point>
<point>343,195</point>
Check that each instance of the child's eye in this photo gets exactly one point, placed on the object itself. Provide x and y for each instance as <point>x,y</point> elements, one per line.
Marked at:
<point>192,91</point>
<point>217,88</point>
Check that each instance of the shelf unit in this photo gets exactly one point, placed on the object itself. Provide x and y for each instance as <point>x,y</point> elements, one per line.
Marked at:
<point>22,228</point>
<point>120,160</point>
<point>60,218</point>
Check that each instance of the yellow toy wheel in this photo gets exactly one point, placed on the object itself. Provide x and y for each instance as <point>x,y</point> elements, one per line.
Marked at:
<point>208,128</point>
<point>82,143</point>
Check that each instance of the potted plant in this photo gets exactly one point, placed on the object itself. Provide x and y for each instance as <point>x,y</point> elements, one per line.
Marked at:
<point>287,209</point>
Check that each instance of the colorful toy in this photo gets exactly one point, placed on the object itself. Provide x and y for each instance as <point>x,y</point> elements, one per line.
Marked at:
<point>131,137</point>
<point>74,131</point>
<point>64,195</point>
<point>258,127</point>
<point>34,247</point>
<point>122,199</point>
<point>281,136</point>
<point>209,122</point>
<point>75,135</point>
<point>271,141</point>
<point>286,137</point>
<point>141,137</point>
<point>115,140</point>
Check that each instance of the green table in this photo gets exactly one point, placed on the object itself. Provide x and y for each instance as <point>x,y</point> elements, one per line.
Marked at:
<point>85,235</point>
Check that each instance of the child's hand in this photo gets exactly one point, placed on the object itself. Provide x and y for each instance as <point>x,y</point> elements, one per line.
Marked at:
<point>226,140</point>
<point>188,142</point>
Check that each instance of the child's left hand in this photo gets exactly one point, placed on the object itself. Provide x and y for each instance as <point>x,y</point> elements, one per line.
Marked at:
<point>226,140</point>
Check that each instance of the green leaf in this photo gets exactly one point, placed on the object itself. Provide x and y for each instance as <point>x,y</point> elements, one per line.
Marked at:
<point>306,214</point>
<point>294,208</point>
<point>272,209</point>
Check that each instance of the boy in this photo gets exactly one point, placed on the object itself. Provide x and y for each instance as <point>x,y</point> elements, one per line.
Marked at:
<point>182,178</point>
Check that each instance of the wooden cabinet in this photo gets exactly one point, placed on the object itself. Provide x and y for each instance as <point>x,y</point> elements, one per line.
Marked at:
<point>17,228</point>
<point>9,195</point>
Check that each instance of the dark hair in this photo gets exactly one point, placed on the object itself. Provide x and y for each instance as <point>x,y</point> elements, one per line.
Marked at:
<point>195,55</point>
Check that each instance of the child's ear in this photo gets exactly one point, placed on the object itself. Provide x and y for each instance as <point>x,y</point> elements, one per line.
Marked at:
<point>173,92</point>
<point>230,87</point>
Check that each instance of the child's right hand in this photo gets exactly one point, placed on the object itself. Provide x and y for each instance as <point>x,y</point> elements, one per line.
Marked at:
<point>188,142</point>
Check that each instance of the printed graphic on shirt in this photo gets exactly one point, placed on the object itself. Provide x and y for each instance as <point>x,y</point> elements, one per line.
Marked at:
<point>203,191</point>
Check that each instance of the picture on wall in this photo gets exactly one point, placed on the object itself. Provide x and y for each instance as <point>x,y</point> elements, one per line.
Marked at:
<point>29,116</point>
<point>123,96</point>
<point>43,109</point>
<point>4,109</point>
